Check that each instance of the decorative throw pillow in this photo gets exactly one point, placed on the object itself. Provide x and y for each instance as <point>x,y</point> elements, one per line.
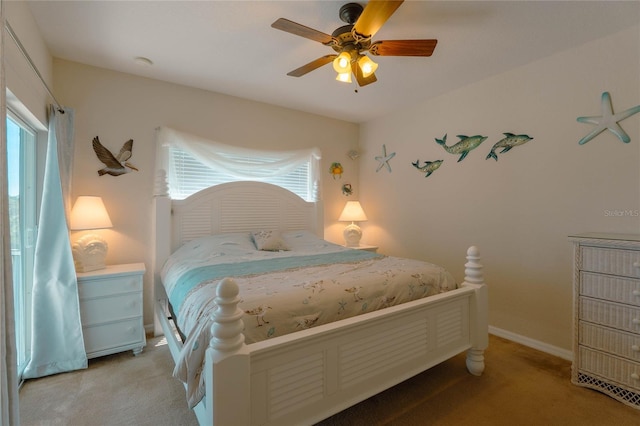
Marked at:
<point>269,241</point>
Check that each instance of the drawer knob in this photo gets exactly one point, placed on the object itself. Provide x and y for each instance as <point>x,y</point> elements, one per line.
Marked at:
<point>636,264</point>
<point>635,348</point>
<point>636,321</point>
<point>636,293</point>
<point>635,376</point>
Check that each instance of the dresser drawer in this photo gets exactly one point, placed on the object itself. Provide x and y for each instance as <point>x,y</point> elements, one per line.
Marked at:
<point>609,287</point>
<point>616,369</point>
<point>100,287</point>
<point>622,317</point>
<point>625,345</point>
<point>106,309</point>
<point>113,335</point>
<point>611,261</point>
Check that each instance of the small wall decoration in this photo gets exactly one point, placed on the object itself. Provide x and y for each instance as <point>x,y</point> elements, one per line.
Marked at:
<point>116,165</point>
<point>336,170</point>
<point>428,167</point>
<point>346,189</point>
<point>608,120</point>
<point>384,159</point>
<point>463,146</point>
<point>353,154</point>
<point>509,141</point>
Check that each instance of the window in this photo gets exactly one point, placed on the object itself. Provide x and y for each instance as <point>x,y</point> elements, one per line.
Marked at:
<point>192,175</point>
<point>21,170</point>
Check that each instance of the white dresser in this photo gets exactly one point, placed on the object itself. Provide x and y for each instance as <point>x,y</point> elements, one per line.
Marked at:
<point>606,345</point>
<point>111,309</point>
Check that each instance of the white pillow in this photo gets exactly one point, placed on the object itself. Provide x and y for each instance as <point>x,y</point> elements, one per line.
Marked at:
<point>269,241</point>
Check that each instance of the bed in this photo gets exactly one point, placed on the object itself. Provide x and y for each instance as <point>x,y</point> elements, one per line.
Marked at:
<point>304,376</point>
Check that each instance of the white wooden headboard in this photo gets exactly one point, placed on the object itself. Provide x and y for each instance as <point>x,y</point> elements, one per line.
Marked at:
<point>230,207</point>
<point>241,207</point>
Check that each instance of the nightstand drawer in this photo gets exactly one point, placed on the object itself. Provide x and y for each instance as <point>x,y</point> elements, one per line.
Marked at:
<point>611,261</point>
<point>105,309</point>
<point>100,287</point>
<point>616,369</point>
<point>608,287</point>
<point>622,317</point>
<point>626,345</point>
<point>113,335</point>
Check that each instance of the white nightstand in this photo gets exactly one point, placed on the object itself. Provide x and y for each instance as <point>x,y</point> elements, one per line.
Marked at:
<point>366,248</point>
<point>111,309</point>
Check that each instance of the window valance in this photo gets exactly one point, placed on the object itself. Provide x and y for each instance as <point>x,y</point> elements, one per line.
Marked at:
<point>230,163</point>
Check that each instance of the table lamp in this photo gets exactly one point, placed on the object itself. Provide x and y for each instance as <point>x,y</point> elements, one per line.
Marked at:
<point>352,212</point>
<point>90,250</point>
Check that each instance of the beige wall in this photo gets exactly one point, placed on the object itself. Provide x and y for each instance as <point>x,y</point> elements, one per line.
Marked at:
<point>520,209</point>
<point>117,107</point>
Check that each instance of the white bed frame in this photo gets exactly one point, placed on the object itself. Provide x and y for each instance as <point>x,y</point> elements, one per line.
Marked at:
<point>307,376</point>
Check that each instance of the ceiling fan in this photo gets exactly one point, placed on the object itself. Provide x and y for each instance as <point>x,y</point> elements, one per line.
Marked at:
<point>352,41</point>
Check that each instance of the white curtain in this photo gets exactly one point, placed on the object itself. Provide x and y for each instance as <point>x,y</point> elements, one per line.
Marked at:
<point>56,337</point>
<point>9,413</point>
<point>224,157</point>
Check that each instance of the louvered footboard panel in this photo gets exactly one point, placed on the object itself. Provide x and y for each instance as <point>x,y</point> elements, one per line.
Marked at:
<point>303,379</point>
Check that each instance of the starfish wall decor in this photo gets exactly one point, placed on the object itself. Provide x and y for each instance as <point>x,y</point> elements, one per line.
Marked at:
<point>384,159</point>
<point>608,120</point>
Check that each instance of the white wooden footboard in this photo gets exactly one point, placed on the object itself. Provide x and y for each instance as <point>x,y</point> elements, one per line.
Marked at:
<point>307,376</point>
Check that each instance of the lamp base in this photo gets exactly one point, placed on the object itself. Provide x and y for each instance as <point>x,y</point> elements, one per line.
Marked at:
<point>352,235</point>
<point>89,253</point>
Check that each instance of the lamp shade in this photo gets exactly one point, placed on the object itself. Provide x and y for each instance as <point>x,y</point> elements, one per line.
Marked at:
<point>352,212</point>
<point>367,66</point>
<point>344,77</point>
<point>89,212</point>
<point>342,63</point>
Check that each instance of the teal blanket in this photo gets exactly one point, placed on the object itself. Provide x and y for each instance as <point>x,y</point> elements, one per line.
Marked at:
<point>190,279</point>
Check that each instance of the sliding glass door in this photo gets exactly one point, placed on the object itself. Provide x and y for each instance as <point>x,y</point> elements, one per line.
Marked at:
<point>21,170</point>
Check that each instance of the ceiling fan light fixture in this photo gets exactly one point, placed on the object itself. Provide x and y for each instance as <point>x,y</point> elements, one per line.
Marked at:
<point>342,64</point>
<point>344,77</point>
<point>367,66</point>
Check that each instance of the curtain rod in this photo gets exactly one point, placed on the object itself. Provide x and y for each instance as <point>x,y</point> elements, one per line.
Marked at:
<point>31,64</point>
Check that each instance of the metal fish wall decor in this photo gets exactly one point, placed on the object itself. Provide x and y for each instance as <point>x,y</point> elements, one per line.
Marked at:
<point>428,167</point>
<point>465,145</point>
<point>509,141</point>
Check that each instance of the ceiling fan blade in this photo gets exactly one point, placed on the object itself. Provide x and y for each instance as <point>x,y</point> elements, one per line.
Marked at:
<point>299,72</point>
<point>362,80</point>
<point>374,15</point>
<point>403,47</point>
<point>302,31</point>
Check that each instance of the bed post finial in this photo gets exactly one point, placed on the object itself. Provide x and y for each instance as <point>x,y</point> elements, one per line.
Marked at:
<point>480,331</point>
<point>473,268</point>
<point>227,319</point>
<point>161,186</point>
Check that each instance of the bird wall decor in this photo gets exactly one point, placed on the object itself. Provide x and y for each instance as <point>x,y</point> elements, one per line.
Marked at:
<point>115,165</point>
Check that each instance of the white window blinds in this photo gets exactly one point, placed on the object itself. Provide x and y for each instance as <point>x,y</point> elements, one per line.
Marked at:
<point>193,163</point>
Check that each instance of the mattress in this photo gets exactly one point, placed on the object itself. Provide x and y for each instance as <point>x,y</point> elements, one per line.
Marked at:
<point>288,282</point>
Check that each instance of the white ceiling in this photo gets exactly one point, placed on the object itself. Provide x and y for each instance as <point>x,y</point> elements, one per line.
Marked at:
<point>229,46</point>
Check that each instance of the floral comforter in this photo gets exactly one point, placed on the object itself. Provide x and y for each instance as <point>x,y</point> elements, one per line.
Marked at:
<point>314,282</point>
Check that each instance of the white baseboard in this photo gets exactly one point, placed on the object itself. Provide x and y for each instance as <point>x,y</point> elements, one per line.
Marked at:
<point>148,329</point>
<point>532,343</point>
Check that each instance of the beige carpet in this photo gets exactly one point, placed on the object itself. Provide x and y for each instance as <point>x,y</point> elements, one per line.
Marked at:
<point>520,386</point>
